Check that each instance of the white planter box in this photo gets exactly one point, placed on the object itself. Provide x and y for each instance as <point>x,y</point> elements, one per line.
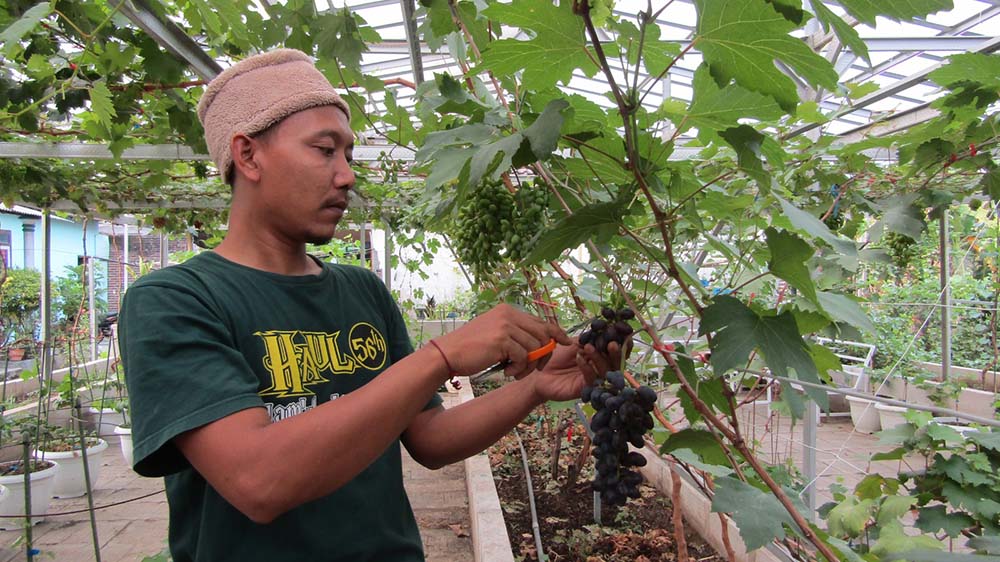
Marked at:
<point>125,434</point>
<point>977,402</point>
<point>71,481</point>
<point>864,415</point>
<point>890,416</point>
<point>103,421</point>
<point>12,500</point>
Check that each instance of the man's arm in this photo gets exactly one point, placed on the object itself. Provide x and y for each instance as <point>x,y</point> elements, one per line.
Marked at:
<point>243,454</point>
<point>438,437</point>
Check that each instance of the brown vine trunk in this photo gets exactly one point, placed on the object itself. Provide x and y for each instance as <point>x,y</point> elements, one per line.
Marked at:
<point>678,517</point>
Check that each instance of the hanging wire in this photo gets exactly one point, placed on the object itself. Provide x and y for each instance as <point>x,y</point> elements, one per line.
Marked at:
<point>896,365</point>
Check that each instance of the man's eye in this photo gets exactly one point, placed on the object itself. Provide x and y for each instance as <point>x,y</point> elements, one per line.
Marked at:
<point>326,150</point>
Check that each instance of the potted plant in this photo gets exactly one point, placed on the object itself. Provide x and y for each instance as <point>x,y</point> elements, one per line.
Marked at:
<point>42,480</point>
<point>20,299</point>
<point>124,433</point>
<point>864,414</point>
<point>64,447</point>
<point>41,477</point>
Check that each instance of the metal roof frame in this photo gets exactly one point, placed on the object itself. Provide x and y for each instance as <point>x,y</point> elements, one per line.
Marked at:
<point>416,59</point>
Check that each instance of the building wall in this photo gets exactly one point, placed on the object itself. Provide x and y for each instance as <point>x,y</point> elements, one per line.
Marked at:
<point>67,242</point>
<point>445,279</point>
<point>143,254</point>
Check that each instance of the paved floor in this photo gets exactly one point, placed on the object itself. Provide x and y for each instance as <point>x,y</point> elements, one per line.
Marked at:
<point>842,454</point>
<point>131,531</point>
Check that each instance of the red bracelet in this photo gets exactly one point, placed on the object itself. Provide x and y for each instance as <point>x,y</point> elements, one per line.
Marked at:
<point>451,372</point>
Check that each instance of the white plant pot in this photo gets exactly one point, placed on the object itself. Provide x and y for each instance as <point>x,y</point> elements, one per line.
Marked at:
<point>864,415</point>
<point>104,421</point>
<point>71,481</point>
<point>125,434</point>
<point>12,500</point>
<point>890,416</point>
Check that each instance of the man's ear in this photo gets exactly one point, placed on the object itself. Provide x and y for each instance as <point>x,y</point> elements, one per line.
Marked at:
<point>243,149</point>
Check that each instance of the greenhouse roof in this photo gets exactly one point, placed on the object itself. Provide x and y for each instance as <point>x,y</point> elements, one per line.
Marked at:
<point>896,94</point>
<point>901,54</point>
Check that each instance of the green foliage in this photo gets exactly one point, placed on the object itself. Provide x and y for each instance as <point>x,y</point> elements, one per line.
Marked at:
<point>70,296</point>
<point>957,496</point>
<point>20,299</point>
<point>759,516</point>
<point>606,176</point>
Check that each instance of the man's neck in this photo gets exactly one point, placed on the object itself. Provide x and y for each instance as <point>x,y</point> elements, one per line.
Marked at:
<point>273,258</point>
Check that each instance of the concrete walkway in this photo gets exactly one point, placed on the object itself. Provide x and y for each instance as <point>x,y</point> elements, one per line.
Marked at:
<point>130,531</point>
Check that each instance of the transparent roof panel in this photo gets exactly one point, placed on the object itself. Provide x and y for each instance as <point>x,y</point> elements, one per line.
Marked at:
<point>901,54</point>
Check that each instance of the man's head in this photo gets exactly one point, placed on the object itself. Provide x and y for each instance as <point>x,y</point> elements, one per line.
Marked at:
<point>257,93</point>
<point>281,136</point>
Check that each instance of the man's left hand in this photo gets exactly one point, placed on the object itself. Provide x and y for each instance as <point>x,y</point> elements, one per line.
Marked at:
<point>570,368</point>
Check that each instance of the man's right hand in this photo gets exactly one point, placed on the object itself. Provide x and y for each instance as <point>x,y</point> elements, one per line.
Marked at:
<point>500,335</point>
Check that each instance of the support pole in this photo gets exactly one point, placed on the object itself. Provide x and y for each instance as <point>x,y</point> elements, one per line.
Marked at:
<point>413,40</point>
<point>46,297</point>
<point>363,241</point>
<point>124,283</point>
<point>28,233</point>
<point>164,246</point>
<point>388,258</point>
<point>89,264</point>
<point>809,457</point>
<point>945,297</point>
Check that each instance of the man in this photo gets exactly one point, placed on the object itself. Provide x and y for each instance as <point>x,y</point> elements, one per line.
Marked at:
<point>272,390</point>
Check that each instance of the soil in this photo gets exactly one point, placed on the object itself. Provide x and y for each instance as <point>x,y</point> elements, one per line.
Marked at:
<point>65,447</point>
<point>642,531</point>
<point>14,468</point>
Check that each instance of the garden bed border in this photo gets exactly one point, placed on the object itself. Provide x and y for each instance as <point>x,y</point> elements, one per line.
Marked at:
<point>490,542</point>
<point>697,510</point>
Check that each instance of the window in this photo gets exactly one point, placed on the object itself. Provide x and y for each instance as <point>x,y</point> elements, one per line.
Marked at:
<point>5,247</point>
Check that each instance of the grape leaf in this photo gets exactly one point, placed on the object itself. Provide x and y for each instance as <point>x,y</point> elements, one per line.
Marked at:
<point>988,544</point>
<point>969,67</point>
<point>844,309</point>
<point>957,468</point>
<point>101,104</point>
<point>494,158</point>
<point>340,38</point>
<point>742,40</point>
<point>597,221</point>
<point>846,33</point>
<point>867,10</point>
<point>934,555</point>
<point>987,440</point>
<point>990,184</point>
<point>690,458</point>
<point>758,515</point>
<point>543,134</point>
<point>972,498</point>
<point>748,143</point>
<point>715,109</point>
<point>805,222</point>
<point>892,540</point>
<point>557,49</point>
<point>900,214</point>
<point>788,256</point>
<point>739,330</point>
<point>893,507</point>
<point>791,10</point>
<point>12,35</point>
<point>701,442</point>
<point>849,517</point>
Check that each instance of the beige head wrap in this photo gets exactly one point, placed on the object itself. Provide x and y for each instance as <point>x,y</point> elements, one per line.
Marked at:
<point>258,92</point>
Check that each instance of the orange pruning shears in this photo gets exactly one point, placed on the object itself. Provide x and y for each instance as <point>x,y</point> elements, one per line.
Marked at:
<point>533,356</point>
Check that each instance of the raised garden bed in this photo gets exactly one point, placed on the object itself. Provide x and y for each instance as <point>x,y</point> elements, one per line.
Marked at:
<point>642,530</point>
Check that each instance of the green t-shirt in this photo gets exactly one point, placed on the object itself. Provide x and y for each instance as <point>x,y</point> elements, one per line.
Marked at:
<point>210,337</point>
